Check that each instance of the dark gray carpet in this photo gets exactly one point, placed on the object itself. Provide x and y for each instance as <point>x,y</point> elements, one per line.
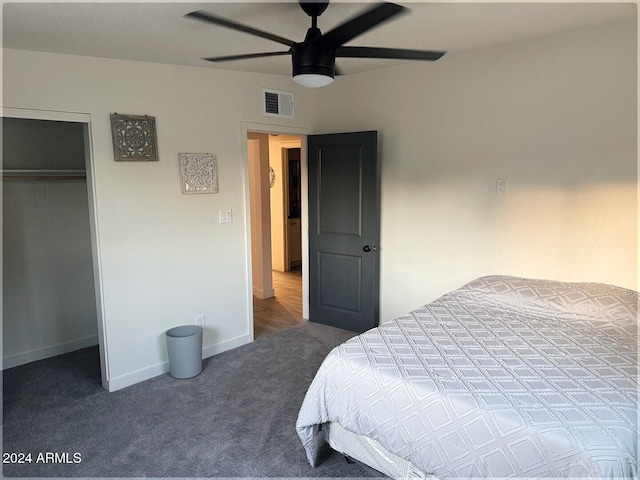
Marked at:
<point>236,419</point>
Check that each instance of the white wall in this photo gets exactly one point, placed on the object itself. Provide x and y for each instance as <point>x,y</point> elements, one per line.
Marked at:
<point>164,256</point>
<point>258,157</point>
<point>555,116</point>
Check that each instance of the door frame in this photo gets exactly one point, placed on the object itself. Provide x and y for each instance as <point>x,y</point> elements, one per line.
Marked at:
<point>85,120</point>
<point>302,132</point>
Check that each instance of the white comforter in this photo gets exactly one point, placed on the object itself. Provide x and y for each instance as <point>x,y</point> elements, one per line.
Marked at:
<point>504,377</point>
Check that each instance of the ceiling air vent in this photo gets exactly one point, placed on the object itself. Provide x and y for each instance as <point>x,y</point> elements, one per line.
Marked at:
<point>277,104</point>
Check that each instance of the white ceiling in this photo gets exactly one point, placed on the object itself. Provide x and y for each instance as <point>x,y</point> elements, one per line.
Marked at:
<point>158,32</point>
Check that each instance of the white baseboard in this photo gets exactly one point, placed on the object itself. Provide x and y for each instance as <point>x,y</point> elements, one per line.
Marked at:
<point>263,294</point>
<point>48,351</point>
<point>148,373</point>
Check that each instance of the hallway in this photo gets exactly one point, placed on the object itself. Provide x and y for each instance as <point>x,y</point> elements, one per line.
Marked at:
<point>282,311</point>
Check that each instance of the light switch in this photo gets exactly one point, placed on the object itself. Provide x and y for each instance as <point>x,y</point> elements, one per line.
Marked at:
<point>225,215</point>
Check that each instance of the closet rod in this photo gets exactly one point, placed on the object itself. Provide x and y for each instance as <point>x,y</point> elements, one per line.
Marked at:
<point>42,175</point>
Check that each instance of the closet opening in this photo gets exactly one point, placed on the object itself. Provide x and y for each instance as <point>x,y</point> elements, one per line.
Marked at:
<point>50,282</point>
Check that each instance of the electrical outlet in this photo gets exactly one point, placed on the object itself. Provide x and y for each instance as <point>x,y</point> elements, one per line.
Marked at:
<point>200,320</point>
<point>501,186</point>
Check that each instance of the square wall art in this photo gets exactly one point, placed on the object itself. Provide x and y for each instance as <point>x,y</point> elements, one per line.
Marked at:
<point>198,173</point>
<point>134,138</point>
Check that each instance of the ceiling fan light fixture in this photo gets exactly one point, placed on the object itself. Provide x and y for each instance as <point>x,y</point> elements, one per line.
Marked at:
<point>312,66</point>
<point>313,80</point>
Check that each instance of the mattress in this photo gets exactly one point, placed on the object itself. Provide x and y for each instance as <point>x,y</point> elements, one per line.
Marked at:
<point>505,377</point>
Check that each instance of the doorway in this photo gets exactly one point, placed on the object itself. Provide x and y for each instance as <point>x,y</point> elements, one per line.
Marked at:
<point>276,184</point>
<point>51,272</point>
<point>328,294</point>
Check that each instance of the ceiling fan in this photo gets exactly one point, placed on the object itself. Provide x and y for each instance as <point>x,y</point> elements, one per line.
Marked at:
<point>314,58</point>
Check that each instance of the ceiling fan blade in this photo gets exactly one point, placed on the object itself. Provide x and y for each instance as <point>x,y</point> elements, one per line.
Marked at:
<point>207,17</point>
<point>359,24</point>
<point>392,53</point>
<point>228,58</point>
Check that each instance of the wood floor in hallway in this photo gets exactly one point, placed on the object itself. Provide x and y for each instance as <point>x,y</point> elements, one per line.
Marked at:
<point>282,311</point>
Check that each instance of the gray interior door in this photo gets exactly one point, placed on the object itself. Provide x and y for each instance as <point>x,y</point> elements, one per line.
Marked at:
<point>344,230</point>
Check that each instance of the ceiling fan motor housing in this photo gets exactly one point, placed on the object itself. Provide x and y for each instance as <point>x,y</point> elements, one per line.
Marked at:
<point>313,59</point>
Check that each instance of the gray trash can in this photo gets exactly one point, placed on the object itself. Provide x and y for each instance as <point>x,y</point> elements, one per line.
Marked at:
<point>184,345</point>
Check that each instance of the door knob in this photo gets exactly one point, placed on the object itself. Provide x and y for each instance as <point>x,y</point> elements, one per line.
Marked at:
<point>368,248</point>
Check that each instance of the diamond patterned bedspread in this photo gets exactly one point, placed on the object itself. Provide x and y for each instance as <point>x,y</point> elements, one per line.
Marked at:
<point>504,377</point>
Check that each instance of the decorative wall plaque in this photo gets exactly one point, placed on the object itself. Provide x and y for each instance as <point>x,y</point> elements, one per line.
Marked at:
<point>134,138</point>
<point>198,173</point>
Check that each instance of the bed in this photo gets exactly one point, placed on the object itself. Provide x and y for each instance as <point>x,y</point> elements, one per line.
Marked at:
<point>504,377</point>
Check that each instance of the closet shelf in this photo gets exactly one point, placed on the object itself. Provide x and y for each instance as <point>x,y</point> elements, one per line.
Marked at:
<point>42,175</point>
